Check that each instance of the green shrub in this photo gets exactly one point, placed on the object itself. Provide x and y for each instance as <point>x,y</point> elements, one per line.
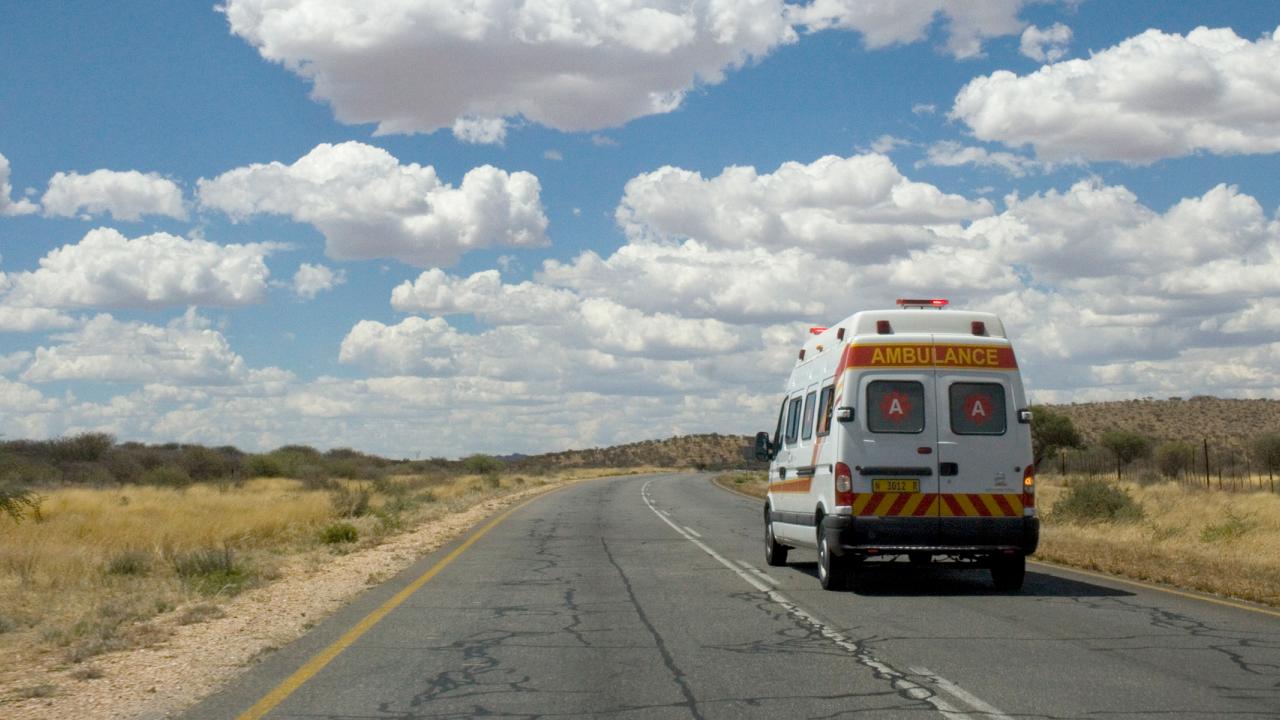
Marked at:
<point>267,466</point>
<point>203,464</point>
<point>167,476</point>
<point>129,562</point>
<point>1097,501</point>
<point>211,571</point>
<point>17,502</point>
<point>1231,528</point>
<point>341,532</point>
<point>1174,458</point>
<point>482,464</point>
<point>85,447</point>
<point>347,502</point>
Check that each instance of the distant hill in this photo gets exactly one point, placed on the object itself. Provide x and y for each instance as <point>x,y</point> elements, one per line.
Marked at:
<point>711,451</point>
<point>1223,422</point>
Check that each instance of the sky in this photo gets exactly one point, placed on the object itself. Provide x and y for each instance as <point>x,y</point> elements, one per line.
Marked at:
<point>439,227</point>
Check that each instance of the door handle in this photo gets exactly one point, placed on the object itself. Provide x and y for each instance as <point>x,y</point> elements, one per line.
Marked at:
<point>948,468</point>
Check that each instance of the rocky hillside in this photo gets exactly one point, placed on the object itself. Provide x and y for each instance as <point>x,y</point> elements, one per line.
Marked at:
<point>1223,422</point>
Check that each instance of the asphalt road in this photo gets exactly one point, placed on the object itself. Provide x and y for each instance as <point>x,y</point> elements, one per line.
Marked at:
<point>648,597</point>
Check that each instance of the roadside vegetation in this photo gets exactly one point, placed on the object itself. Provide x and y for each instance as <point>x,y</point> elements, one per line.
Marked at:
<point>101,541</point>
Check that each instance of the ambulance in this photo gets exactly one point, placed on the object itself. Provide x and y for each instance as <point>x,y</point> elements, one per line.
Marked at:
<point>904,435</point>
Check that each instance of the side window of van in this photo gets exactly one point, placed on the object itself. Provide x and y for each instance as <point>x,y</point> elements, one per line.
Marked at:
<point>824,410</point>
<point>895,406</point>
<point>793,421</point>
<point>807,423</point>
<point>977,409</point>
<point>777,432</point>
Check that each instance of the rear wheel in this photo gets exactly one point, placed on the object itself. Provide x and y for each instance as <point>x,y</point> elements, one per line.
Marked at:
<point>775,554</point>
<point>1008,572</point>
<point>833,572</point>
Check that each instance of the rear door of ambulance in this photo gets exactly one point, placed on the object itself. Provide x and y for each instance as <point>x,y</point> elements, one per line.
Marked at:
<point>980,447</point>
<point>895,480</point>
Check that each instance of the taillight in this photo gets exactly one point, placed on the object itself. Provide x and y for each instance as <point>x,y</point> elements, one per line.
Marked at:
<point>844,484</point>
<point>1029,487</point>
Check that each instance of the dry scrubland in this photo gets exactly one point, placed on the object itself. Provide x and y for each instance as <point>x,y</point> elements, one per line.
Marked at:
<point>1216,542</point>
<point>109,568</point>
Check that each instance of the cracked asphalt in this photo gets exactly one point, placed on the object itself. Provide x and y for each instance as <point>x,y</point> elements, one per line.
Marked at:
<point>587,604</point>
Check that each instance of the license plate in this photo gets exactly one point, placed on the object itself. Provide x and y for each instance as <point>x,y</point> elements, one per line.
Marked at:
<point>907,486</point>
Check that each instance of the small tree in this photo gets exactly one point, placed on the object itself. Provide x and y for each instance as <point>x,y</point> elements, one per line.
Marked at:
<point>479,464</point>
<point>1173,458</point>
<point>16,502</point>
<point>1051,431</point>
<point>1266,448</point>
<point>1125,446</point>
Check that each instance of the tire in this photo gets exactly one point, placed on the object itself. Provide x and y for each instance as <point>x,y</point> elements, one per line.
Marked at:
<point>1007,573</point>
<point>833,572</point>
<point>920,558</point>
<point>775,553</point>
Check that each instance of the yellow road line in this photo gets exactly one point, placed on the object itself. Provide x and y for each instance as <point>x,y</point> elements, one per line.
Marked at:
<point>1161,588</point>
<point>324,657</point>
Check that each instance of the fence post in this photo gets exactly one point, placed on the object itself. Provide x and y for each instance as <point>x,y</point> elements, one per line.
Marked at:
<point>1206,462</point>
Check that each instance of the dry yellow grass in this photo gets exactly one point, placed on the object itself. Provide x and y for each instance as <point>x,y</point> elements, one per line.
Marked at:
<point>1216,542</point>
<point>102,563</point>
<point>1208,540</point>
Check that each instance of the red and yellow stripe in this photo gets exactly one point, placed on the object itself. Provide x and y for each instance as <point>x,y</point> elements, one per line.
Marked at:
<point>798,485</point>
<point>890,504</point>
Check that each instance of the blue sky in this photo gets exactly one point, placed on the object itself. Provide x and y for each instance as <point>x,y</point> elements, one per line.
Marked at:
<point>525,226</point>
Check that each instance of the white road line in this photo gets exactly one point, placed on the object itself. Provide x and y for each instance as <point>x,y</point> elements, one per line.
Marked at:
<point>897,678</point>
<point>758,572</point>
<point>960,693</point>
<point>691,531</point>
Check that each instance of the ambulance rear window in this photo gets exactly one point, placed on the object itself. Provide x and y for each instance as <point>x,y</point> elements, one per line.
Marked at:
<point>895,406</point>
<point>977,409</point>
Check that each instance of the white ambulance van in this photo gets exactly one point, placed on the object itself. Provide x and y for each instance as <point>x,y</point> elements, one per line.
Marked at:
<point>903,433</point>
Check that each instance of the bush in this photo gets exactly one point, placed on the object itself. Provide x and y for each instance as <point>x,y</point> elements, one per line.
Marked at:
<point>203,464</point>
<point>347,502</point>
<point>167,476</point>
<point>17,502</point>
<point>211,571</point>
<point>1174,458</point>
<point>1233,527</point>
<point>130,562</point>
<point>1097,501</point>
<point>85,447</point>
<point>339,533</point>
<point>482,464</point>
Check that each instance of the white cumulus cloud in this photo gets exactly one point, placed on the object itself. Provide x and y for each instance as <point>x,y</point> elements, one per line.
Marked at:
<point>186,351</point>
<point>419,65</point>
<point>882,24</point>
<point>108,270</point>
<point>9,206</point>
<point>858,207</point>
<point>126,195</point>
<point>480,131</point>
<point>369,205</point>
<point>948,153</point>
<point>311,280</point>
<point>1153,96</point>
<point>1047,45</point>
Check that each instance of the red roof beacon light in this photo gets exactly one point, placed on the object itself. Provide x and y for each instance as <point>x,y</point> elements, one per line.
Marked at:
<point>922,303</point>
<point>817,330</point>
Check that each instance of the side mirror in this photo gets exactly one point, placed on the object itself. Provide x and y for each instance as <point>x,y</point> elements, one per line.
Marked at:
<point>1024,417</point>
<point>844,414</point>
<point>764,448</point>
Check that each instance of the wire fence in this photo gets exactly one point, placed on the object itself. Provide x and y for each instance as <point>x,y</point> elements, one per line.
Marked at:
<point>1210,465</point>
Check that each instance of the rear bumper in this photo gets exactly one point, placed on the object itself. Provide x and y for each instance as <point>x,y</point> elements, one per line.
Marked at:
<point>862,536</point>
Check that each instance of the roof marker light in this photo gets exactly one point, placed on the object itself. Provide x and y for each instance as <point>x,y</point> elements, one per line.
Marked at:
<point>839,333</point>
<point>883,328</point>
<point>978,327</point>
<point>926,302</point>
